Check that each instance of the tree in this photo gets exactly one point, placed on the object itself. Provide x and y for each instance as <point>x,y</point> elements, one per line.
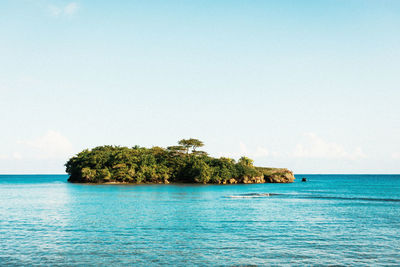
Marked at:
<point>190,144</point>
<point>201,172</point>
<point>89,174</point>
<point>103,175</point>
<point>176,150</point>
<point>246,161</point>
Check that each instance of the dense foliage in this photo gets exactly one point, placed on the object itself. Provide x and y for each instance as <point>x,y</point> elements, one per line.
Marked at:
<point>182,163</point>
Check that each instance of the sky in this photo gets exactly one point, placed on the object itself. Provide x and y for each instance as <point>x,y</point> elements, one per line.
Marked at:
<point>313,86</point>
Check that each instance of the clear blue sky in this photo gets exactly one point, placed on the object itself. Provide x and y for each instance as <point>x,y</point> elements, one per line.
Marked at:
<point>309,85</point>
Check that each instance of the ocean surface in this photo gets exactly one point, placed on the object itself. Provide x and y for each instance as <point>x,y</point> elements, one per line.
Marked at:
<point>328,220</point>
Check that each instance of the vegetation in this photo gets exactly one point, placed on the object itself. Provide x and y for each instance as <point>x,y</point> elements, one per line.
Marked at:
<point>182,163</point>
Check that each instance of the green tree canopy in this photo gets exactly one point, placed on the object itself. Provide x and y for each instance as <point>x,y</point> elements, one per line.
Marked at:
<point>246,161</point>
<point>190,144</point>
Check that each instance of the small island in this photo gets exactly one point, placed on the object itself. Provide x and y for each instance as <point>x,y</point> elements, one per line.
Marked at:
<point>175,164</point>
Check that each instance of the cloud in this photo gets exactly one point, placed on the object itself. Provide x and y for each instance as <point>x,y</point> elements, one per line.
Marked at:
<point>396,155</point>
<point>51,145</point>
<point>71,8</point>
<point>66,10</point>
<point>14,155</point>
<point>255,153</point>
<point>316,147</point>
<point>243,150</point>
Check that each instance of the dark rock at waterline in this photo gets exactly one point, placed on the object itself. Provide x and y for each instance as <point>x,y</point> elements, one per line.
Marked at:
<point>304,179</point>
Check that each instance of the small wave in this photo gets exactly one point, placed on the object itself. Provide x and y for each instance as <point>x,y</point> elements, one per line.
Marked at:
<point>252,195</point>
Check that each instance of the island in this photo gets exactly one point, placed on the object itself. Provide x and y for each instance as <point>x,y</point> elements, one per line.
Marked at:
<point>182,163</point>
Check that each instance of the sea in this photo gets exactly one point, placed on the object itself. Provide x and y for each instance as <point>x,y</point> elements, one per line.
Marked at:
<point>339,220</point>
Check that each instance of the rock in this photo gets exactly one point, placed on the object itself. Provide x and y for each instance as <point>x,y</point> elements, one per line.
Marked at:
<point>232,181</point>
<point>304,179</point>
<point>254,180</point>
<point>276,175</point>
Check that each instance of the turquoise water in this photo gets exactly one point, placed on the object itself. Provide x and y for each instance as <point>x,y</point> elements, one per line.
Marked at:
<point>331,219</point>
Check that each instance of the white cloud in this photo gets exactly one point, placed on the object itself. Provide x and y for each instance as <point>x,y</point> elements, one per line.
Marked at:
<point>316,147</point>
<point>51,145</point>
<point>261,152</point>
<point>255,153</point>
<point>70,8</point>
<point>243,150</point>
<point>396,155</point>
<point>16,155</point>
<point>66,10</point>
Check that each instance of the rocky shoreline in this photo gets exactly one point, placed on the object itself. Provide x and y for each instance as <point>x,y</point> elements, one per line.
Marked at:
<point>270,175</point>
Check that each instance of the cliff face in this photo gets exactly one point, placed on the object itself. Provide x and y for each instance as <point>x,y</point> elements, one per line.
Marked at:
<point>277,175</point>
<point>269,175</point>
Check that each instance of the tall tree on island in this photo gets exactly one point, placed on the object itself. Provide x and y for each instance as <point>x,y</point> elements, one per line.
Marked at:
<point>191,143</point>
